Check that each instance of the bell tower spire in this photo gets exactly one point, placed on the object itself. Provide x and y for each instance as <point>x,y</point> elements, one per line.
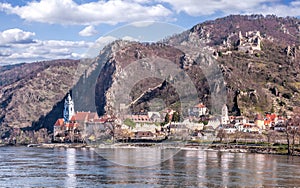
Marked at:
<point>68,108</point>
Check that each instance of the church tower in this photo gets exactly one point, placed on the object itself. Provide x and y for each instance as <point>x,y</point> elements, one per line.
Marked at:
<point>68,109</point>
<point>224,118</point>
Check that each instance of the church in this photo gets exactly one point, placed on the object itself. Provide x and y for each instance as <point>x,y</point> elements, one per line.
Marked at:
<point>70,127</point>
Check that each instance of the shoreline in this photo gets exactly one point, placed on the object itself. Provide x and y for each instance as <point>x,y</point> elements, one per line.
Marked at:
<point>232,148</point>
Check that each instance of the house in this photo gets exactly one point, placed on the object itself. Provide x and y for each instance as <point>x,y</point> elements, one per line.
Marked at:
<point>250,128</point>
<point>66,131</point>
<point>255,129</point>
<point>259,122</point>
<point>198,110</point>
<point>144,135</point>
<point>70,127</point>
<point>178,129</point>
<point>141,118</point>
<point>58,129</point>
<point>280,120</point>
<point>230,129</point>
<point>241,120</point>
<point>240,127</point>
<point>280,127</point>
<point>82,117</point>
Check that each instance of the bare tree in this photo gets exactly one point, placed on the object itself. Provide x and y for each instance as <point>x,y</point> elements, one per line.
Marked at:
<point>292,127</point>
<point>221,134</point>
<point>271,136</point>
<point>237,135</point>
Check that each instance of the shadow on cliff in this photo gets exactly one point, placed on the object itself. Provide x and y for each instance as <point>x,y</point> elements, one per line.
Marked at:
<point>49,120</point>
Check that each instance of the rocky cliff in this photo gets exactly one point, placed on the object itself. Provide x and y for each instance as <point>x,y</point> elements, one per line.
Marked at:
<point>31,94</point>
<point>257,57</point>
<point>249,62</point>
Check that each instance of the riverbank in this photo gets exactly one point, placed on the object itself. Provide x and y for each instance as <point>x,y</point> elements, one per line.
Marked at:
<point>48,145</point>
<point>63,145</point>
<point>229,147</point>
<point>246,148</point>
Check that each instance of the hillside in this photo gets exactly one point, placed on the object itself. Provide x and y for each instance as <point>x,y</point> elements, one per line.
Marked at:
<point>257,56</point>
<point>31,94</point>
<point>249,62</point>
<point>260,77</point>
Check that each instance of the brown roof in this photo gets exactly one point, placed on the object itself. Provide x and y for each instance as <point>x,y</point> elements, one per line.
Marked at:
<point>92,116</point>
<point>100,120</point>
<point>73,125</point>
<point>200,105</point>
<point>59,122</point>
<point>80,116</point>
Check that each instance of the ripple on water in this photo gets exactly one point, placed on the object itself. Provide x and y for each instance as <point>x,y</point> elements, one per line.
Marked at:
<point>59,167</point>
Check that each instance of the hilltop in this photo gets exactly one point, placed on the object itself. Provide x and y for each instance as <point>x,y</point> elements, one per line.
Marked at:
<point>255,58</point>
<point>258,57</point>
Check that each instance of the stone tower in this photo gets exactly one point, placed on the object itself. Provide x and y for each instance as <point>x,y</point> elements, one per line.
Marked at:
<point>224,118</point>
<point>68,109</point>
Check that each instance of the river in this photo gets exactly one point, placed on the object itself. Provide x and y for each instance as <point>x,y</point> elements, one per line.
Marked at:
<point>61,167</point>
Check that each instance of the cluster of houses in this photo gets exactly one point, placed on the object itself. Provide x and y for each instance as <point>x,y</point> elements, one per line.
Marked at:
<point>75,127</point>
<point>152,126</point>
<point>232,124</point>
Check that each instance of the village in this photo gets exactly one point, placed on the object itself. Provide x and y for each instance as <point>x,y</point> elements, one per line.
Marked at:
<point>165,125</point>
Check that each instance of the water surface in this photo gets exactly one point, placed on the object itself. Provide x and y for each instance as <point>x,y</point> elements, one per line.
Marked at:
<point>59,167</point>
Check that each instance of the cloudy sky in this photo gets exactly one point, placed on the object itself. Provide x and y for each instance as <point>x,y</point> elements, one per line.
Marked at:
<point>52,29</point>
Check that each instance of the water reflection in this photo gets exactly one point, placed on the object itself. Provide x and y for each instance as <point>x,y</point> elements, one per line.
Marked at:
<point>71,167</point>
<point>36,167</point>
<point>137,156</point>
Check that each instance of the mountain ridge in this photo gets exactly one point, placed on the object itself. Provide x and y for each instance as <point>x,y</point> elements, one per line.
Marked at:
<point>257,80</point>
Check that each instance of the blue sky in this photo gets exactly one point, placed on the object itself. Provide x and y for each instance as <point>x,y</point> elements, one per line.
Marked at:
<point>53,29</point>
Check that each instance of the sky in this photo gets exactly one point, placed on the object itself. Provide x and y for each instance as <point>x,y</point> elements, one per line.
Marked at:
<point>37,30</point>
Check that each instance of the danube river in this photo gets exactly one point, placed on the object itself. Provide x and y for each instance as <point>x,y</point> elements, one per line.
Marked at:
<point>59,167</point>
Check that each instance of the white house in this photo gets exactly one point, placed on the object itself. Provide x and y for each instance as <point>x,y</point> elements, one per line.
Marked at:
<point>198,110</point>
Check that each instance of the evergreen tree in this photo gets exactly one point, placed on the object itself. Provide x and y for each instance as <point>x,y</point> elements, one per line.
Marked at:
<point>176,117</point>
<point>167,119</point>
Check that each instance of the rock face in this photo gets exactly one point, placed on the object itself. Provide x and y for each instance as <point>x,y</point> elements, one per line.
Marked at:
<point>124,61</point>
<point>255,55</point>
<point>31,94</point>
<point>249,62</point>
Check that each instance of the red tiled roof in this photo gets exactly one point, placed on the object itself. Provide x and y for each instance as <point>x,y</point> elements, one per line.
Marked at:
<point>80,116</point>
<point>59,122</point>
<point>139,117</point>
<point>84,116</point>
<point>72,125</point>
<point>200,105</point>
<point>92,116</point>
<point>100,120</point>
<point>271,117</point>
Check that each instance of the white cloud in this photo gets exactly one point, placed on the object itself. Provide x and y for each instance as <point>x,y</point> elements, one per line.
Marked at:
<point>142,23</point>
<point>88,31</point>
<point>210,7</point>
<point>129,38</point>
<point>293,9</point>
<point>15,36</point>
<point>69,12</point>
<point>5,52</point>
<point>18,46</point>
